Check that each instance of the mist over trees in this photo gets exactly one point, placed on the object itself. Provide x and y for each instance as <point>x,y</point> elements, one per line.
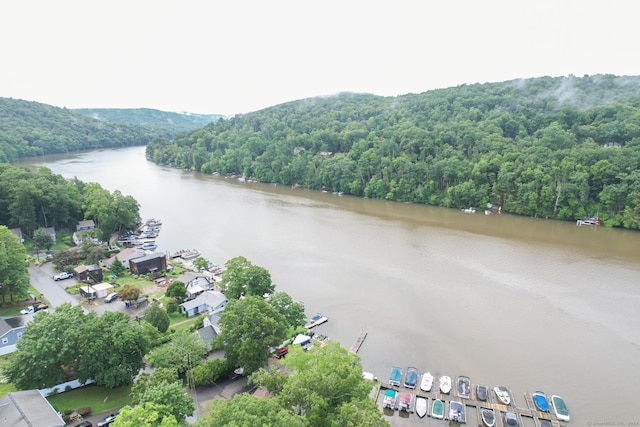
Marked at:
<point>561,148</point>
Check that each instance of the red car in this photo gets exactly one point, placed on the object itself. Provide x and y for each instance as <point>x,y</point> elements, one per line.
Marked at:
<point>282,351</point>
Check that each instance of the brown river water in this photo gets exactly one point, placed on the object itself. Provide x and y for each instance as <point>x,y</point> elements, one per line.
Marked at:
<point>526,303</point>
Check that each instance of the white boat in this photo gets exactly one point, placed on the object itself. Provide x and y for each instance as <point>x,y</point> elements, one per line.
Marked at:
<point>560,408</point>
<point>421,406</point>
<point>488,417</point>
<point>316,320</point>
<point>503,395</point>
<point>427,382</point>
<point>445,384</point>
<point>389,399</point>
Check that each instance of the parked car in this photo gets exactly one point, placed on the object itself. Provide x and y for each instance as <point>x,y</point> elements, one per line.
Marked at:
<point>282,352</point>
<point>111,297</point>
<point>107,420</point>
<point>85,424</point>
<point>62,276</point>
<point>33,308</point>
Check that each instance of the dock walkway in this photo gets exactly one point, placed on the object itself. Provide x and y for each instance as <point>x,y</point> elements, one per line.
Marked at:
<point>358,342</point>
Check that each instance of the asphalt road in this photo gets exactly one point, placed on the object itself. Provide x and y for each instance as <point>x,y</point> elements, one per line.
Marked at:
<point>53,291</point>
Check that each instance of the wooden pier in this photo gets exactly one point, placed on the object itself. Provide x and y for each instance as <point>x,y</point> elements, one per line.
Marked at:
<point>530,411</point>
<point>358,342</point>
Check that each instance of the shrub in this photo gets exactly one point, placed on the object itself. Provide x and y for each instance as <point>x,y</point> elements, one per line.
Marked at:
<point>172,306</point>
<point>84,411</point>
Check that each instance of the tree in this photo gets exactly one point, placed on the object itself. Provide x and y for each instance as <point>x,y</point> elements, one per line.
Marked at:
<point>250,327</point>
<point>176,290</point>
<point>157,316</point>
<point>208,372</point>
<point>200,263</point>
<point>129,293</point>
<point>42,239</point>
<point>246,410</point>
<point>117,267</point>
<point>147,414</point>
<point>184,351</point>
<point>292,311</point>
<point>171,394</point>
<point>14,276</point>
<point>240,277</point>
<point>146,380</point>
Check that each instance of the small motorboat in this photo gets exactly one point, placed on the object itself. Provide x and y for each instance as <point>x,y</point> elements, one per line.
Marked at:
<point>488,417</point>
<point>389,399</point>
<point>421,406</point>
<point>395,377</point>
<point>456,412</point>
<point>540,400</point>
<point>437,409</point>
<point>427,382</point>
<point>510,419</point>
<point>464,387</point>
<point>560,408</point>
<point>482,392</point>
<point>503,395</point>
<point>316,320</point>
<point>445,384</point>
<point>404,401</point>
<point>411,378</point>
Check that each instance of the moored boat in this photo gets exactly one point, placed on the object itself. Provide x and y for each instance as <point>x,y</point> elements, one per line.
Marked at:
<point>560,408</point>
<point>316,320</point>
<point>437,409</point>
<point>503,395</point>
<point>149,246</point>
<point>395,377</point>
<point>589,220</point>
<point>427,382</point>
<point>456,412</point>
<point>411,378</point>
<point>482,392</point>
<point>540,400</point>
<point>445,384</point>
<point>464,387</point>
<point>404,401</point>
<point>389,399</point>
<point>422,406</point>
<point>510,419</point>
<point>488,417</point>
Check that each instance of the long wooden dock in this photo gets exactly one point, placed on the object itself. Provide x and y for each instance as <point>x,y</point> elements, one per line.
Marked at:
<point>530,411</point>
<point>358,342</point>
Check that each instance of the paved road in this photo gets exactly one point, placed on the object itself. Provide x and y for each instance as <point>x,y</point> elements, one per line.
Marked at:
<point>54,292</point>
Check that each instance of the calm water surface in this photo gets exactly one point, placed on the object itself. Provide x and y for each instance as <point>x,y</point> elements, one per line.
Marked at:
<point>529,304</point>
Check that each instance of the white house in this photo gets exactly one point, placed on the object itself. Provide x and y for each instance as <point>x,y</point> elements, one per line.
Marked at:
<point>206,302</point>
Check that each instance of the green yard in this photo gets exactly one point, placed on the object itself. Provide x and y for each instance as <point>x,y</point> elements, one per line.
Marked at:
<point>100,399</point>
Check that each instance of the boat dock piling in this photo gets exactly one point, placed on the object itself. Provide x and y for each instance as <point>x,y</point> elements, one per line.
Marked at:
<point>529,412</point>
<point>358,342</point>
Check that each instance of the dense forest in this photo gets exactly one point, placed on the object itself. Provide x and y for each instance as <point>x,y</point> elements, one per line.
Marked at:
<point>563,148</point>
<point>29,129</point>
<point>164,121</point>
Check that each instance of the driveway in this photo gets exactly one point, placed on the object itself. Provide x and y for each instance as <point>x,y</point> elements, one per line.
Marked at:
<point>54,291</point>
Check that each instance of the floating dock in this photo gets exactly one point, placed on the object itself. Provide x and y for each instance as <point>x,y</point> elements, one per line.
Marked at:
<point>358,342</point>
<point>530,411</point>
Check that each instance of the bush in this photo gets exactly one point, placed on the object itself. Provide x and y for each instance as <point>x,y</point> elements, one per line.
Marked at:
<point>172,307</point>
<point>84,411</point>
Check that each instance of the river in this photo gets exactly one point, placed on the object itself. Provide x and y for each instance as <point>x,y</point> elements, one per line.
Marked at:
<point>506,300</point>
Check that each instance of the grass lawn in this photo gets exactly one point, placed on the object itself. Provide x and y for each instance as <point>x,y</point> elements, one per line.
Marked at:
<point>10,310</point>
<point>100,399</point>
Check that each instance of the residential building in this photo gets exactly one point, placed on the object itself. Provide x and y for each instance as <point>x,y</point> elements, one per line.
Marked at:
<point>125,255</point>
<point>88,273</point>
<point>152,263</point>
<point>206,302</point>
<point>11,330</point>
<point>28,408</point>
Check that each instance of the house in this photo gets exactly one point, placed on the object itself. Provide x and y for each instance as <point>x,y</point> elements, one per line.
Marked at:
<point>103,289</point>
<point>11,330</point>
<point>51,232</point>
<point>125,255</point>
<point>151,263</point>
<point>86,273</point>
<point>87,225</point>
<point>211,328</point>
<point>18,233</point>
<point>195,283</point>
<point>28,408</point>
<point>206,302</point>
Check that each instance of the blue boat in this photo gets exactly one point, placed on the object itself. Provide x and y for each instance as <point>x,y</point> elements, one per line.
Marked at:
<point>411,378</point>
<point>395,377</point>
<point>540,400</point>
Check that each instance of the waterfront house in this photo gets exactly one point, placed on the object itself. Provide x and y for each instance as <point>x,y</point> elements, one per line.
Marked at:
<point>11,330</point>
<point>28,408</point>
<point>195,283</point>
<point>152,263</point>
<point>206,302</point>
<point>88,273</point>
<point>125,255</point>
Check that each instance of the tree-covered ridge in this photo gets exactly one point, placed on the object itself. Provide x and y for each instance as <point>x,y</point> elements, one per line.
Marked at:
<point>30,129</point>
<point>548,147</point>
<point>165,121</point>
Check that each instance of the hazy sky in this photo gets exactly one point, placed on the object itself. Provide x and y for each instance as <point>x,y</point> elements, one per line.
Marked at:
<point>238,56</point>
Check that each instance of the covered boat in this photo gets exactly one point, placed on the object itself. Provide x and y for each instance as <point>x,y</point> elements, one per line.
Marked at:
<point>411,378</point>
<point>427,382</point>
<point>463,387</point>
<point>445,384</point>
<point>456,412</point>
<point>503,395</point>
<point>389,399</point>
<point>404,401</point>
<point>421,406</point>
<point>540,400</point>
<point>482,392</point>
<point>437,409</point>
<point>395,377</point>
<point>560,408</point>
<point>510,419</point>
<point>488,417</point>
<point>316,320</point>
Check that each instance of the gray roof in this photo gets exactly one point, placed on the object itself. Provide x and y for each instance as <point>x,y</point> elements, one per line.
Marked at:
<point>28,408</point>
<point>207,333</point>
<point>10,323</point>
<point>154,255</point>
<point>210,298</point>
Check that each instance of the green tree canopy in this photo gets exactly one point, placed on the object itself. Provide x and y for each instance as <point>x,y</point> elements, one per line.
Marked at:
<point>42,239</point>
<point>129,292</point>
<point>147,414</point>
<point>14,276</point>
<point>184,351</point>
<point>176,290</point>
<point>157,316</point>
<point>292,311</point>
<point>117,267</point>
<point>241,277</point>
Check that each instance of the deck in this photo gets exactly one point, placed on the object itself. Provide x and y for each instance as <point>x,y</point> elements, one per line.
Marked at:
<point>358,342</point>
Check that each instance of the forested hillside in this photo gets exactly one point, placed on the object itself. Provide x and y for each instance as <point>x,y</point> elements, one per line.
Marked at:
<point>32,129</point>
<point>548,147</point>
<point>165,121</point>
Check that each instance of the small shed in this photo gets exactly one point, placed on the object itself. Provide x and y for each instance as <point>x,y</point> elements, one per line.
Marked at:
<point>87,292</point>
<point>103,289</point>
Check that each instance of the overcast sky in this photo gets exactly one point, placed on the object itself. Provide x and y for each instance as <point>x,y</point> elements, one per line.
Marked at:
<point>235,56</point>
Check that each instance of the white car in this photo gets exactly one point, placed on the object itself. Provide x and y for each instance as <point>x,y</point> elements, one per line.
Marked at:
<point>62,276</point>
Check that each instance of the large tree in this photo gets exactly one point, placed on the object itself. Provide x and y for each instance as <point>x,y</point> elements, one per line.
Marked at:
<point>183,352</point>
<point>147,414</point>
<point>14,276</point>
<point>171,394</point>
<point>291,310</point>
<point>241,277</point>
<point>249,328</point>
<point>157,316</point>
